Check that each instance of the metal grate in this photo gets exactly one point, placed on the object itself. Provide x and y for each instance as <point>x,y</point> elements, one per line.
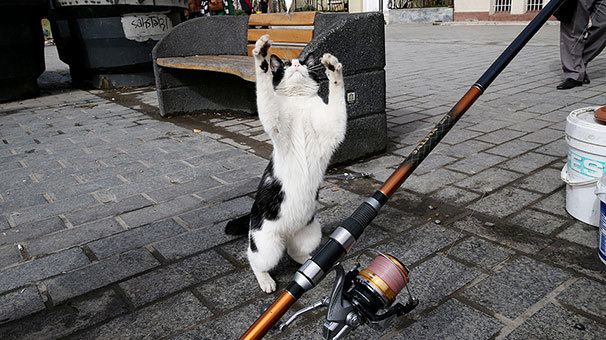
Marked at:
<point>534,5</point>
<point>502,6</point>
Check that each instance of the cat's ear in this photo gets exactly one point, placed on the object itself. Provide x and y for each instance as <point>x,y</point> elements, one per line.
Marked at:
<point>276,63</point>
<point>309,60</point>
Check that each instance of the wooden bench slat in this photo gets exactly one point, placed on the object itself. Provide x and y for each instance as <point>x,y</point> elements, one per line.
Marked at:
<point>282,35</point>
<point>241,66</point>
<point>284,52</point>
<point>280,19</point>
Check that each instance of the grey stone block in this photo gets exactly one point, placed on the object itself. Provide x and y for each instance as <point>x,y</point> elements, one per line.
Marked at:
<point>504,202</point>
<point>480,252</point>
<point>507,235</point>
<point>437,278</point>
<point>230,191</point>
<point>153,321</point>
<point>454,195</point>
<point>586,295</point>
<point>242,285</point>
<point>166,280</point>
<point>420,242</point>
<point>193,242</point>
<point>20,303</point>
<point>30,231</point>
<point>183,40</point>
<point>452,320</point>
<point>513,148</point>
<point>135,238</point>
<point>576,257</point>
<point>108,209</point>
<point>72,237</point>
<point>554,203</point>
<point>65,319</point>
<point>432,181</point>
<point>9,255</point>
<point>160,211</point>
<point>43,211</point>
<point>581,233</point>
<point>555,322</point>
<point>528,162</point>
<point>41,268</point>
<point>544,181</point>
<point>99,274</point>
<point>439,14</point>
<point>219,212</point>
<point>488,180</point>
<point>506,292</point>
<point>341,34</point>
<point>475,163</point>
<point>538,221</point>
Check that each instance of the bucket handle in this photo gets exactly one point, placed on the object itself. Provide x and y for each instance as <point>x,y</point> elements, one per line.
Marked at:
<point>564,176</point>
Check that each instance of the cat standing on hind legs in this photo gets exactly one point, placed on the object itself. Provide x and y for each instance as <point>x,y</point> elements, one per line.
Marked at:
<point>304,132</point>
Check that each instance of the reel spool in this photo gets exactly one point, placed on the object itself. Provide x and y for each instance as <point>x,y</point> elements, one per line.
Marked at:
<point>358,296</point>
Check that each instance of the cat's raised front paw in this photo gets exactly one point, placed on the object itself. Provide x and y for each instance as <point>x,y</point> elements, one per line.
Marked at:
<point>331,62</point>
<point>262,46</point>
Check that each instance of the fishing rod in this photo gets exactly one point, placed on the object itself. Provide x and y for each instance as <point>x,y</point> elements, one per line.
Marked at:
<point>358,295</point>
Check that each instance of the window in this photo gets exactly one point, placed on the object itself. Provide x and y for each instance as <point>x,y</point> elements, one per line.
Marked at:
<point>534,5</point>
<point>503,5</point>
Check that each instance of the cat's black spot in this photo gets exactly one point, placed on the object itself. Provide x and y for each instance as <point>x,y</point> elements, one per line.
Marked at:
<point>313,217</point>
<point>330,67</point>
<point>278,76</point>
<point>268,200</point>
<point>317,194</point>
<point>264,50</point>
<point>264,66</point>
<point>277,69</point>
<point>253,245</point>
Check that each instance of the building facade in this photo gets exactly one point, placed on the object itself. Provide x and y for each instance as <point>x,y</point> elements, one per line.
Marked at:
<point>497,10</point>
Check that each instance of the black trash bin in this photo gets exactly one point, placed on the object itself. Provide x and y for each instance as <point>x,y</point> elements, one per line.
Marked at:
<point>21,48</point>
<point>108,43</point>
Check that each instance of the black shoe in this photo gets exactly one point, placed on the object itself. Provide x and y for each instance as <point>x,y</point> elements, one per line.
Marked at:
<point>586,80</point>
<point>569,83</point>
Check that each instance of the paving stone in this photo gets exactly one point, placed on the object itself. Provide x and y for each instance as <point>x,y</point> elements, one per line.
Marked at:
<point>166,280</point>
<point>490,125</point>
<point>153,321</point>
<point>576,257</point>
<point>476,163</point>
<point>557,148</point>
<point>432,162</point>
<point>230,191</point>
<point>467,148</point>
<point>507,235</point>
<point>452,320</point>
<point>188,187</point>
<point>528,162</point>
<point>513,148</point>
<point>334,195</point>
<point>392,220</point>
<point>29,231</point>
<point>43,211</point>
<point>66,319</point>
<point>419,242</point>
<point>500,136</point>
<point>432,181</point>
<point>231,325</point>
<point>437,278</point>
<point>554,203</point>
<point>72,237</point>
<point>193,242</point>
<point>455,196</point>
<point>160,211</point>
<point>242,285</point>
<point>135,238</point>
<point>557,323</point>
<point>457,136</point>
<point>20,303</point>
<point>581,233</point>
<point>544,181</point>
<point>504,202</point>
<point>212,214</point>
<point>488,180</point>
<point>99,274</point>
<point>107,209</point>
<point>538,221</point>
<point>9,255</point>
<point>504,292</point>
<point>41,268</point>
<point>586,295</point>
<point>480,252</point>
<point>4,223</point>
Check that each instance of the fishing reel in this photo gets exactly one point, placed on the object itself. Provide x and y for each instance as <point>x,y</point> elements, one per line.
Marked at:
<point>357,297</point>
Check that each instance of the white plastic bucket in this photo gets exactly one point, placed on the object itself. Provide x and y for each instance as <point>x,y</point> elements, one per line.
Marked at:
<point>586,139</point>
<point>600,192</point>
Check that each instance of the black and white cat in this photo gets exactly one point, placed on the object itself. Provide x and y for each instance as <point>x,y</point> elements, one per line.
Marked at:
<point>305,132</point>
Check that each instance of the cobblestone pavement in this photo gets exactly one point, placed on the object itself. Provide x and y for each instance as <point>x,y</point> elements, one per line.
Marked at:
<point>111,219</point>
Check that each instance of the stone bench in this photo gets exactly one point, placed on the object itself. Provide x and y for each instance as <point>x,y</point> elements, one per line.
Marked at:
<point>204,66</point>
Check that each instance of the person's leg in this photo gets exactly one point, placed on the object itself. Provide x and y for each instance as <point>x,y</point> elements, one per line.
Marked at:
<point>596,39</point>
<point>572,43</point>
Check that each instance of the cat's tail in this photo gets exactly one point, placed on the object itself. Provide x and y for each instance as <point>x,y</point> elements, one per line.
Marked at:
<point>238,226</point>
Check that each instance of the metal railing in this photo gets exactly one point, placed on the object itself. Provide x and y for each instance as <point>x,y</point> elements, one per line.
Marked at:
<point>502,6</point>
